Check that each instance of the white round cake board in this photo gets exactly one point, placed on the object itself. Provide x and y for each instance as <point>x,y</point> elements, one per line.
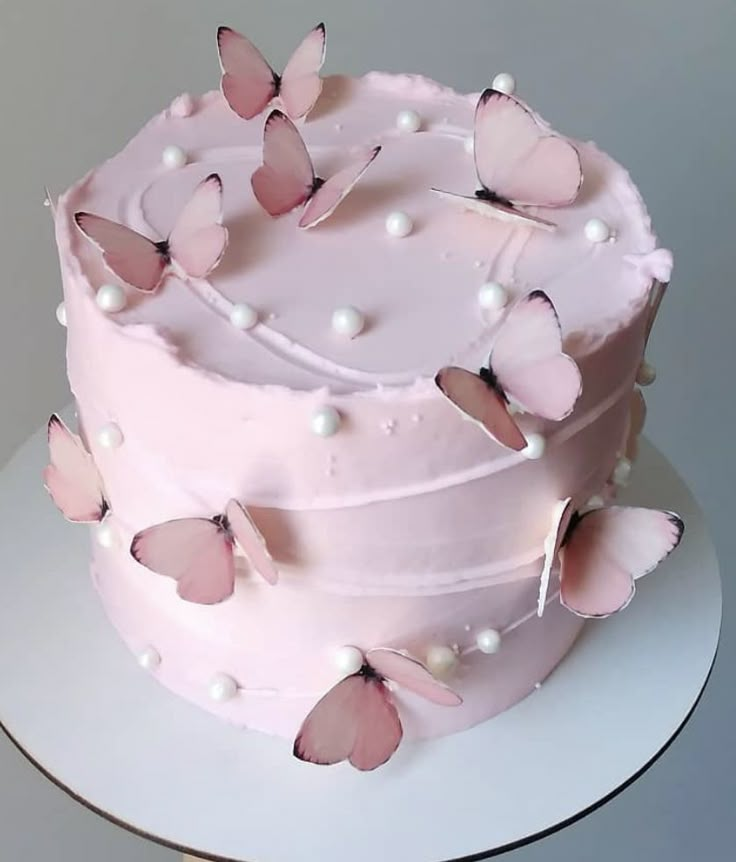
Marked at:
<point>78,705</point>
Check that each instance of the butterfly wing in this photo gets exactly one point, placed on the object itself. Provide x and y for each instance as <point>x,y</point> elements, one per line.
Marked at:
<point>475,399</point>
<point>132,257</point>
<point>248,83</point>
<point>356,721</point>
<point>71,477</point>
<point>286,178</point>
<point>195,552</point>
<point>301,84</point>
<point>518,160</point>
<point>561,517</point>
<point>411,674</point>
<point>528,361</point>
<point>607,551</point>
<point>334,190</point>
<point>495,209</point>
<point>198,239</point>
<point>250,541</point>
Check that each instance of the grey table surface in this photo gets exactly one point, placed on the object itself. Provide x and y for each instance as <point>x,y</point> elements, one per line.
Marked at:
<point>650,80</point>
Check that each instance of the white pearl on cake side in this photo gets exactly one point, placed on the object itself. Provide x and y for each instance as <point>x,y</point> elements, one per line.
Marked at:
<point>105,535</point>
<point>348,321</point>
<point>111,298</point>
<point>647,373</point>
<point>222,687</point>
<point>621,472</point>
<point>492,296</point>
<point>441,660</point>
<point>596,230</point>
<point>535,446</point>
<point>173,157</point>
<point>488,641</point>
<point>110,436</point>
<point>399,224</point>
<point>61,313</point>
<point>243,316</point>
<point>408,121</point>
<point>325,422</point>
<point>149,658</point>
<point>504,82</point>
<point>348,659</point>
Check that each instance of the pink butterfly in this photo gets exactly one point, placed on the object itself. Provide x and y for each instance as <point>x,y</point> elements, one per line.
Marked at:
<point>199,553</point>
<point>526,365</point>
<point>72,478</point>
<point>518,163</point>
<point>194,247</point>
<point>249,83</point>
<point>603,552</point>
<point>286,179</point>
<point>357,719</point>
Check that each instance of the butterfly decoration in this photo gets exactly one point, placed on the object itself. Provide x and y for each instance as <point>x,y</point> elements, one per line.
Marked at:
<point>286,179</point>
<point>526,366</point>
<point>71,478</point>
<point>193,248</point>
<point>199,553</point>
<point>249,84</point>
<point>656,295</point>
<point>519,164</point>
<point>602,553</point>
<point>357,719</point>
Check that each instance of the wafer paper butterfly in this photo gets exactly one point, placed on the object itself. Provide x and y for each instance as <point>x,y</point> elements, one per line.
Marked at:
<point>249,83</point>
<point>199,553</point>
<point>193,248</point>
<point>603,552</point>
<point>286,179</point>
<point>357,719</point>
<point>526,366</point>
<point>519,163</point>
<point>71,478</point>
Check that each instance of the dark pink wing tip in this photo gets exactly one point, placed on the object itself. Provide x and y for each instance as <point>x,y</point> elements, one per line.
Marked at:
<point>214,178</point>
<point>679,526</point>
<point>80,218</point>
<point>54,422</point>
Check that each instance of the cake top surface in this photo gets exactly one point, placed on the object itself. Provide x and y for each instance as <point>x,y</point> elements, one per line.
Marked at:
<point>418,294</point>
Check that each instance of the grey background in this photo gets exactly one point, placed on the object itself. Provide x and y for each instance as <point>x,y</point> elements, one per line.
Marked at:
<point>651,80</point>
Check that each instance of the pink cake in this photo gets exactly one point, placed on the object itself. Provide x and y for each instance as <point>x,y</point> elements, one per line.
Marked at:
<point>391,521</point>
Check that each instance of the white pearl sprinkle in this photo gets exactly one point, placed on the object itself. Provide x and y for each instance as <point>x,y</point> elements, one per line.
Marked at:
<point>596,230</point>
<point>348,659</point>
<point>504,82</point>
<point>441,660</point>
<point>173,157</point>
<point>222,687</point>
<point>408,121</point>
<point>243,316</point>
<point>348,321</point>
<point>110,436</point>
<point>111,298</point>
<point>399,224</point>
<point>647,373</point>
<point>61,313</point>
<point>492,296</point>
<point>622,472</point>
<point>488,641</point>
<point>595,502</point>
<point>537,686</point>
<point>535,446</point>
<point>149,658</point>
<point>105,535</point>
<point>325,422</point>
<point>469,145</point>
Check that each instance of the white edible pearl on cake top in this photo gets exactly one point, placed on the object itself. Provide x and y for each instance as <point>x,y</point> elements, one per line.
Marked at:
<point>105,535</point>
<point>348,321</point>
<point>110,436</point>
<point>488,641</point>
<point>222,687</point>
<point>469,145</point>
<point>243,316</point>
<point>647,373</point>
<point>348,659</point>
<point>492,296</point>
<point>61,313</point>
<point>595,502</point>
<point>535,446</point>
<point>596,230</point>
<point>504,82</point>
<point>399,224</point>
<point>622,472</point>
<point>441,660</point>
<point>173,157</point>
<point>111,297</point>
<point>149,658</point>
<point>408,121</point>
<point>325,422</point>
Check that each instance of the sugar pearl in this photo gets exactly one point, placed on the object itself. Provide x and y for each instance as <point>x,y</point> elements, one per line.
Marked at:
<point>469,145</point>
<point>243,316</point>
<point>347,321</point>
<point>504,82</point>
<point>61,313</point>
<point>622,472</point>
<point>535,446</point>
<point>488,641</point>
<point>348,659</point>
<point>105,535</point>
<point>325,422</point>
<point>596,230</point>
<point>647,373</point>
<point>441,660</point>
<point>173,157</point>
<point>399,224</point>
<point>149,658</point>
<point>492,296</point>
<point>222,687</point>
<point>595,502</point>
<point>111,297</point>
<point>408,121</point>
<point>110,436</point>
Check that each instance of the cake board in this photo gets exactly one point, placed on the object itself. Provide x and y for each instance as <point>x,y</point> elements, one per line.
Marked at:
<point>75,702</point>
